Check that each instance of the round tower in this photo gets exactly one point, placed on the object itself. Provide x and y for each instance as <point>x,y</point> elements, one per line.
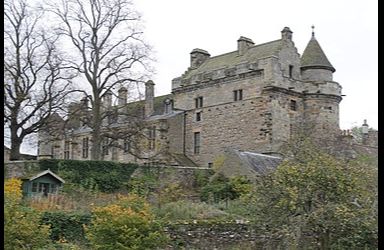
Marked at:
<point>315,65</point>
<point>322,95</point>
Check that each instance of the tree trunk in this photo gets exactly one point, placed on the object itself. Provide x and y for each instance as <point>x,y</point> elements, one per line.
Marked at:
<point>96,131</point>
<point>15,149</point>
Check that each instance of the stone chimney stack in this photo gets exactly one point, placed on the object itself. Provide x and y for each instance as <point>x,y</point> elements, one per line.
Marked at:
<point>198,57</point>
<point>286,34</point>
<point>107,99</point>
<point>365,131</point>
<point>123,95</point>
<point>243,43</point>
<point>149,96</point>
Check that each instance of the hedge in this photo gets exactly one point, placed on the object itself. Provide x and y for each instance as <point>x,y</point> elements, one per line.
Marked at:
<point>66,225</point>
<point>107,176</point>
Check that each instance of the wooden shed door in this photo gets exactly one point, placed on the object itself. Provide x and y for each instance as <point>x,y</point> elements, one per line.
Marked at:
<point>44,188</point>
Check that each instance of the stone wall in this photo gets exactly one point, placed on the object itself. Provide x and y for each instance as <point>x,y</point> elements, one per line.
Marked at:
<point>242,125</point>
<point>220,236</point>
<point>175,134</point>
<point>270,79</point>
<point>20,169</point>
<point>373,138</point>
<point>185,176</point>
<point>317,74</point>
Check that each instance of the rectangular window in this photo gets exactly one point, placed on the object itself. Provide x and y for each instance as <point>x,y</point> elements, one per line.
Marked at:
<point>198,116</point>
<point>210,165</point>
<point>152,138</point>
<point>293,105</point>
<point>238,95</point>
<point>127,146</point>
<point>105,147</point>
<point>196,140</point>
<point>199,102</point>
<point>34,187</point>
<point>290,71</point>
<point>66,150</point>
<point>43,188</point>
<point>53,189</point>
<point>85,147</point>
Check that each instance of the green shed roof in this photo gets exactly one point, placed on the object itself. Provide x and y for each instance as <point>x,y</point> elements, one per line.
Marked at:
<point>45,172</point>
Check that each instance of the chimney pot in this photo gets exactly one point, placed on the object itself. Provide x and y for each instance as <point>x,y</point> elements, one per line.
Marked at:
<point>286,34</point>
<point>243,43</point>
<point>149,96</point>
<point>198,57</point>
<point>123,95</point>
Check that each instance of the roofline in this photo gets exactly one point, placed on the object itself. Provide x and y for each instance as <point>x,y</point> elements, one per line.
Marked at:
<point>318,67</point>
<point>48,171</point>
<point>235,51</point>
<point>264,155</point>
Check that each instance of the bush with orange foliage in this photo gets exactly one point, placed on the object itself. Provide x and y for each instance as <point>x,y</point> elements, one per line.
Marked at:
<point>126,224</point>
<point>22,229</point>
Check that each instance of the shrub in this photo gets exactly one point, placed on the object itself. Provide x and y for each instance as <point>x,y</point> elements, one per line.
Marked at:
<point>65,226</point>
<point>222,188</point>
<point>187,210</point>
<point>21,224</point>
<point>125,224</point>
<point>170,193</point>
<point>316,196</point>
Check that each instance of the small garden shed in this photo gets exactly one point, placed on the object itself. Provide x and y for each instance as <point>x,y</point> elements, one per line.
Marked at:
<point>42,184</point>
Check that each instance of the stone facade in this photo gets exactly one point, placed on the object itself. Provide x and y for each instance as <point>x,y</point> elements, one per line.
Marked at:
<point>252,99</point>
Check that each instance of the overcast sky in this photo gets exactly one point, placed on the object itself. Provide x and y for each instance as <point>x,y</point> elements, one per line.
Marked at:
<point>347,31</point>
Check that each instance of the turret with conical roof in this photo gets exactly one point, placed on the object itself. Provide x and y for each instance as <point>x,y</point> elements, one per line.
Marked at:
<point>315,65</point>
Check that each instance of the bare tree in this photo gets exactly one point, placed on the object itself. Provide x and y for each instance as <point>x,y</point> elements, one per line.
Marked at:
<point>108,51</point>
<point>34,86</point>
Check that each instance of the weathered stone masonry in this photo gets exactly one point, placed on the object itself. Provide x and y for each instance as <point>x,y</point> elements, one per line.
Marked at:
<point>252,99</point>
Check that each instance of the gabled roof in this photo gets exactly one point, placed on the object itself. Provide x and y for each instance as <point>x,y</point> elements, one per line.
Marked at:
<point>233,58</point>
<point>314,57</point>
<point>260,163</point>
<point>48,171</point>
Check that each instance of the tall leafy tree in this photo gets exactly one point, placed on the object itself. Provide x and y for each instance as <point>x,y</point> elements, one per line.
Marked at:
<point>315,200</point>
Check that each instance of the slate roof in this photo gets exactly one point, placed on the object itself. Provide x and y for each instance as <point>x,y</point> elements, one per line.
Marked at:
<point>260,163</point>
<point>158,105</point>
<point>313,56</point>
<point>233,58</point>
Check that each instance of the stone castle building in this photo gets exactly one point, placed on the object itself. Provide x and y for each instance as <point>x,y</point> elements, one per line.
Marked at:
<point>252,99</point>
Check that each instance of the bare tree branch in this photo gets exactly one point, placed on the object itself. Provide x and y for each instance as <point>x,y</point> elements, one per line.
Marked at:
<point>34,85</point>
<point>109,51</point>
